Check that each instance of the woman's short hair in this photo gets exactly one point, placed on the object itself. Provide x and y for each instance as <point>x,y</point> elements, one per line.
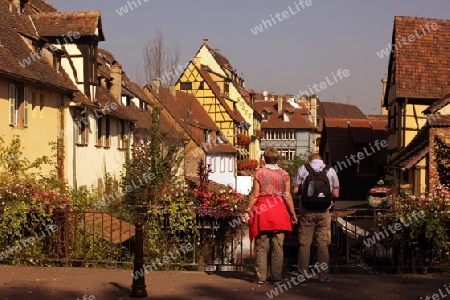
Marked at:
<point>271,155</point>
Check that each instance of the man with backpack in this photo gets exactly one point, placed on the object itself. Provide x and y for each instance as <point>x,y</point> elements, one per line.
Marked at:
<point>318,185</point>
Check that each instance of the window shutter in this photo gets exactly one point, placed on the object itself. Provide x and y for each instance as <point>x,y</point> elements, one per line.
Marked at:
<point>25,107</point>
<point>12,104</point>
<point>86,130</point>
<point>96,132</point>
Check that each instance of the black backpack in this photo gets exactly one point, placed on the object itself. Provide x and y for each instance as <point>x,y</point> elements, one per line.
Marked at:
<point>316,189</point>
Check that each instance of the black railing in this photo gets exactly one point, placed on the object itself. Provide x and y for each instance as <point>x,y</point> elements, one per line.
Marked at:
<point>88,237</point>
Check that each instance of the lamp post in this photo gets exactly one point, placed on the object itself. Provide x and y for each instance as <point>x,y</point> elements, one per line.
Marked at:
<point>138,286</point>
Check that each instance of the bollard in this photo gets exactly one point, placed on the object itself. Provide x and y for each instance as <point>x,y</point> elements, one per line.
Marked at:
<point>138,286</point>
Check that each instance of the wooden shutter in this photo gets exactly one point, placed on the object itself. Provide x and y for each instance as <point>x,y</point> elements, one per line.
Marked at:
<point>25,107</point>
<point>12,104</point>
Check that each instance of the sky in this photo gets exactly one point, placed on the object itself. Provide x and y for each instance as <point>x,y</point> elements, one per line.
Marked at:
<point>327,47</point>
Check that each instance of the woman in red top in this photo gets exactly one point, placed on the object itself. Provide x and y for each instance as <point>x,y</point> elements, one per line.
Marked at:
<point>268,212</point>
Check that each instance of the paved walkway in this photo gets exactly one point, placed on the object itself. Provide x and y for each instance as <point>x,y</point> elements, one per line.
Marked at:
<point>39,283</point>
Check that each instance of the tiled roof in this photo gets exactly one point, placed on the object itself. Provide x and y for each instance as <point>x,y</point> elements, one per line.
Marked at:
<point>38,6</point>
<point>339,110</point>
<point>212,186</point>
<point>221,60</point>
<point>436,106</point>
<point>415,150</point>
<point>105,99</point>
<point>419,146</point>
<point>377,124</point>
<point>422,68</point>
<point>297,119</point>
<point>13,52</point>
<point>107,227</point>
<point>234,114</point>
<point>57,24</point>
<point>439,121</point>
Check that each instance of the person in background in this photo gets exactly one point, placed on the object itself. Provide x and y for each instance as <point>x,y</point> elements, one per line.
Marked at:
<point>271,214</point>
<point>315,223</point>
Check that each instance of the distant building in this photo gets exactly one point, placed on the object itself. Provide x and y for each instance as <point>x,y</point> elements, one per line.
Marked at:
<point>356,149</point>
<point>285,125</point>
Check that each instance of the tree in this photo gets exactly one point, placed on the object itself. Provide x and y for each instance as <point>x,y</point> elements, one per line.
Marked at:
<point>153,165</point>
<point>161,60</point>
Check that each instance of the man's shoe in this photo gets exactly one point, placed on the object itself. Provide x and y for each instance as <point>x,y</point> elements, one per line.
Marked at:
<point>324,280</point>
<point>303,280</point>
<point>261,282</point>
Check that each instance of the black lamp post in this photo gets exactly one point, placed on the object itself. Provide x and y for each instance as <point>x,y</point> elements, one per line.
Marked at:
<point>138,286</point>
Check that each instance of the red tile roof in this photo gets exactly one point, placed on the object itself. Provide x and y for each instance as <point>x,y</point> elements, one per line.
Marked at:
<point>58,24</point>
<point>14,52</point>
<point>107,227</point>
<point>38,6</point>
<point>419,146</point>
<point>298,120</point>
<point>422,68</point>
<point>378,124</point>
<point>436,106</point>
<point>339,110</point>
<point>362,131</point>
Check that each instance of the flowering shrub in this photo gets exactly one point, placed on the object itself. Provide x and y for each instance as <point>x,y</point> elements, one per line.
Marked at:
<point>243,140</point>
<point>222,204</point>
<point>247,164</point>
<point>428,235</point>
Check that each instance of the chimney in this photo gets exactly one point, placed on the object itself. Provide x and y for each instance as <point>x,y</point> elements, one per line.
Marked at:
<point>155,84</point>
<point>116,76</point>
<point>290,97</point>
<point>205,42</point>
<point>18,4</point>
<point>313,109</point>
<point>280,104</point>
<point>384,81</point>
<point>173,90</point>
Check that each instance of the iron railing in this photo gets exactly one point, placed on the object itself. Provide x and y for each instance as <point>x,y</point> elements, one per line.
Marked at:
<point>89,237</point>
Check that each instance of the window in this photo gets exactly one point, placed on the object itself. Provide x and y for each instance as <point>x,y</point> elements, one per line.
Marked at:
<point>13,104</point>
<point>107,131</point>
<point>226,88</point>
<point>222,164</point>
<point>230,164</point>
<point>25,107</point>
<point>121,134</point>
<point>41,101</point>
<point>57,62</point>
<point>99,132</point>
<point>81,128</point>
<point>18,105</point>
<point>207,135</point>
<point>33,100</point>
<point>288,153</point>
<point>185,85</point>
<point>201,85</point>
